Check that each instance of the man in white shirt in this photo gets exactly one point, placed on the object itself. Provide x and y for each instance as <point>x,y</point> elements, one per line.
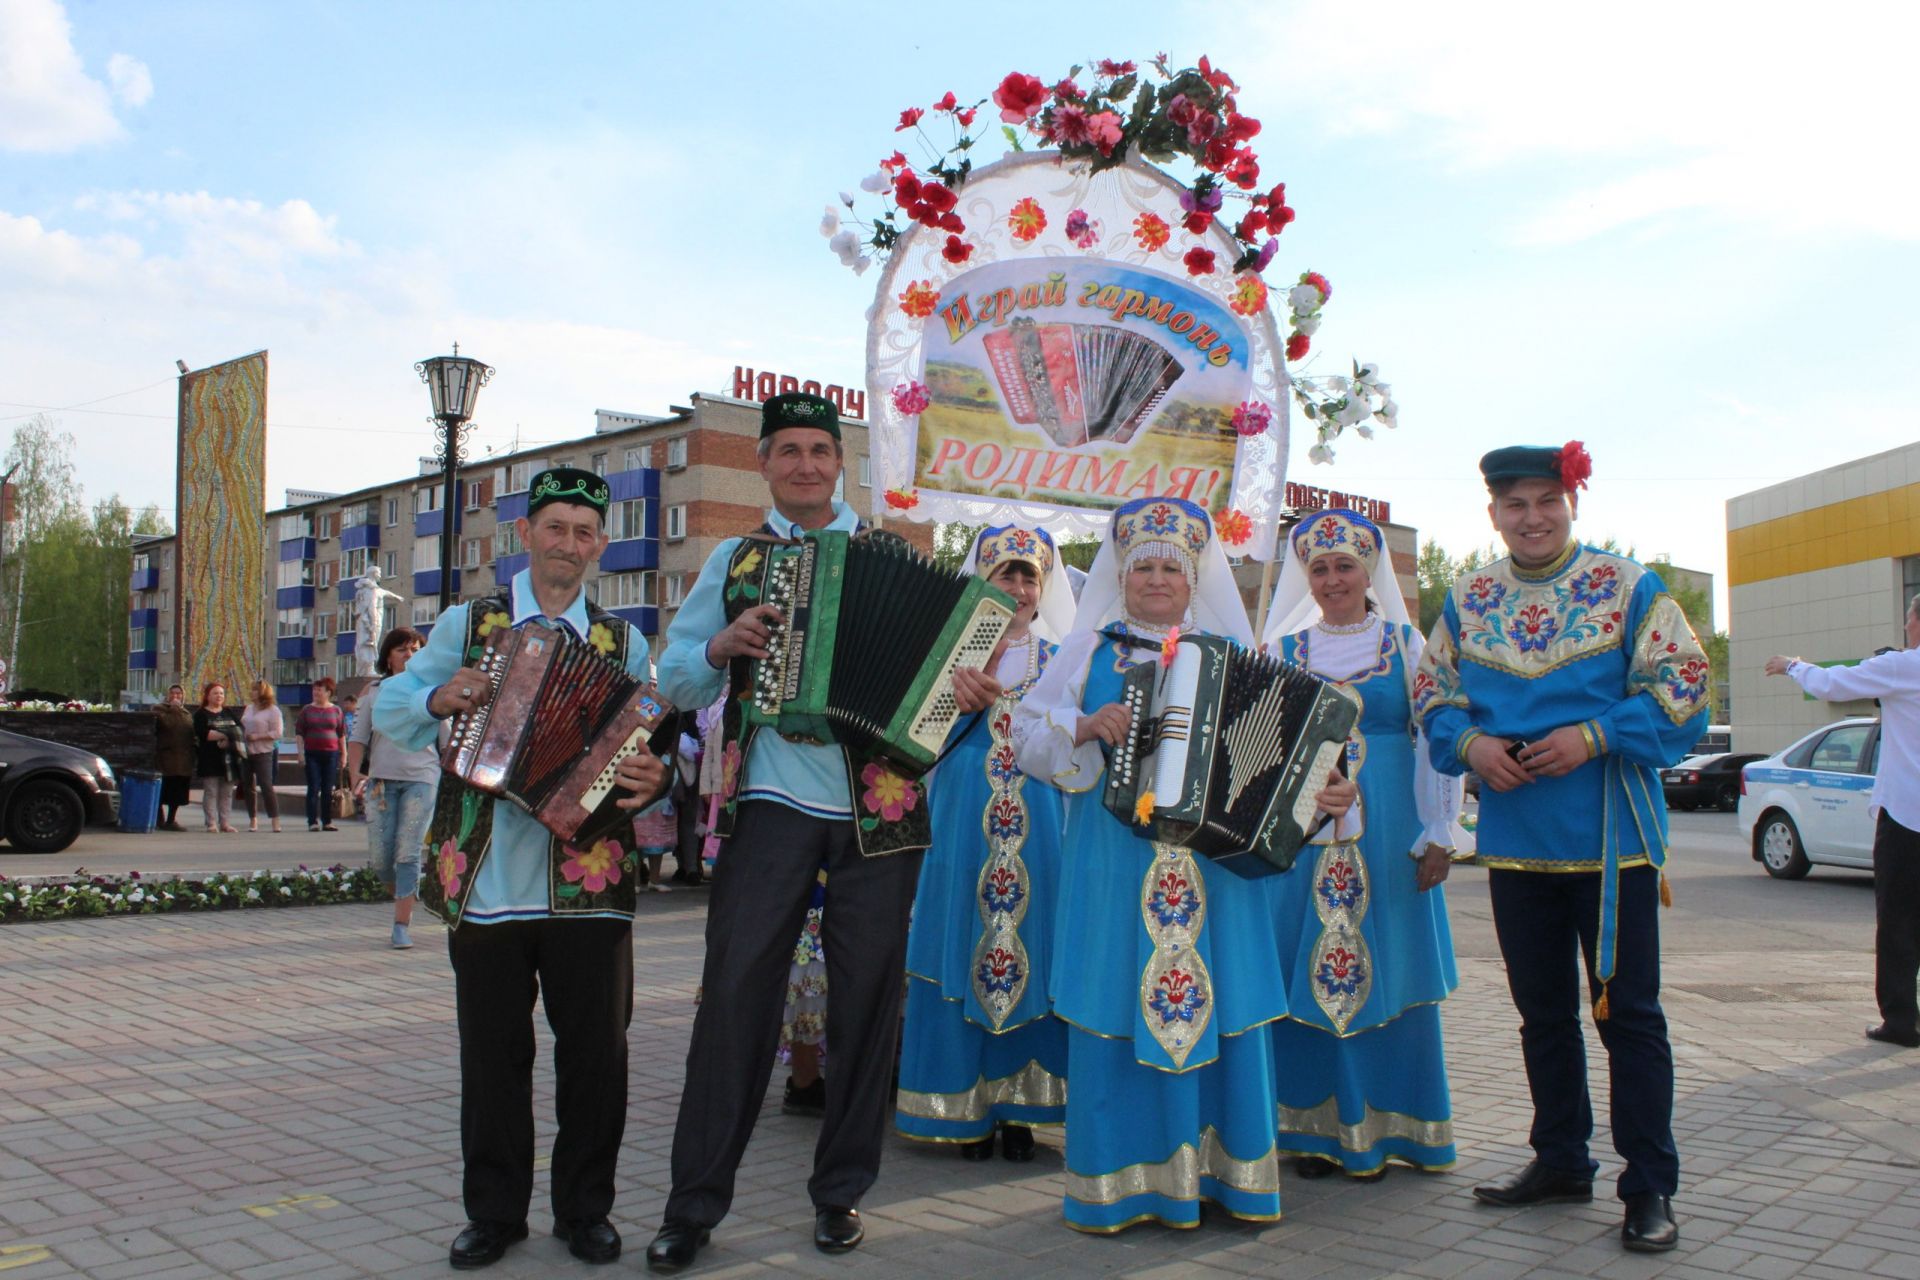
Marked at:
<point>1894,678</point>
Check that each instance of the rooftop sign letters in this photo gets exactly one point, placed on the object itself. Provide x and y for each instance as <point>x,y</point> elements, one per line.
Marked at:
<point>749,385</point>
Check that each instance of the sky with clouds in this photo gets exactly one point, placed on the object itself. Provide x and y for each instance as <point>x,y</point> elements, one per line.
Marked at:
<point>1685,233</point>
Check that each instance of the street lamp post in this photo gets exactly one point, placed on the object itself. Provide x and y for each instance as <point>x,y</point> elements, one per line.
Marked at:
<point>455,383</point>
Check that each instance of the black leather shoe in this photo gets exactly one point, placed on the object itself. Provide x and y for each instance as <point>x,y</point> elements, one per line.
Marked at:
<point>1537,1184</point>
<point>482,1244</point>
<point>976,1151</point>
<point>590,1241</point>
<point>1314,1167</point>
<point>837,1230</point>
<point>1887,1035</point>
<point>1649,1226</point>
<point>1016,1143</point>
<point>675,1245</point>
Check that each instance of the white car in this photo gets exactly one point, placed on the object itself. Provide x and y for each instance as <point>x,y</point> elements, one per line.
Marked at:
<point>1808,803</point>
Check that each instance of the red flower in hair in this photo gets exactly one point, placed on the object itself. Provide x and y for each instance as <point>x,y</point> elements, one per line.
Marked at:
<point>1576,464</point>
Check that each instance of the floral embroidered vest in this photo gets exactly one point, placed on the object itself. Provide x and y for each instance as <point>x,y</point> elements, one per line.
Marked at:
<point>890,808</point>
<point>460,836</point>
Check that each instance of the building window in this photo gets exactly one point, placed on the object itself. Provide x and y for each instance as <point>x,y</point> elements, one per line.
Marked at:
<point>426,499</point>
<point>353,563</point>
<point>329,524</point>
<point>627,520</point>
<point>676,453</point>
<point>166,643</point>
<point>676,588</point>
<point>388,563</point>
<point>639,458</point>
<point>292,671</point>
<point>624,590</point>
<point>343,620</point>
<point>296,573</point>
<point>326,574</point>
<point>425,610</point>
<point>166,600</point>
<point>297,524</point>
<point>518,474</point>
<point>598,464</point>
<point>677,520</point>
<point>292,622</point>
<point>506,536</point>
<point>470,553</point>
<point>393,512</point>
<point>140,562</point>
<point>866,473</point>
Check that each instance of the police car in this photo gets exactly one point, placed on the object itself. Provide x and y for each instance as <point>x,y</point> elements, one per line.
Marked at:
<point>1808,803</point>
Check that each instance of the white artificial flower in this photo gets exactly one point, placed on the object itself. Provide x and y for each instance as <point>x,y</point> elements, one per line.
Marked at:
<point>1366,373</point>
<point>829,221</point>
<point>876,182</point>
<point>1388,413</point>
<point>1382,390</point>
<point>861,263</point>
<point>1304,299</point>
<point>1354,410</point>
<point>1335,383</point>
<point>1308,325</point>
<point>1320,455</point>
<point>846,198</point>
<point>1364,431</point>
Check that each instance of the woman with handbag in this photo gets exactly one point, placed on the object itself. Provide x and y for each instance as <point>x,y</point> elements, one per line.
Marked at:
<point>218,742</point>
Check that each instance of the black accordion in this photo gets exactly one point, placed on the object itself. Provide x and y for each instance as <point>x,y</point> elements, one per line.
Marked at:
<point>1225,751</point>
<point>1080,382</point>
<point>551,738</point>
<point>872,635</point>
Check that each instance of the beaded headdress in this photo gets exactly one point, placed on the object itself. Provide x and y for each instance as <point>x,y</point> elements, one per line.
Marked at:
<point>1338,532</point>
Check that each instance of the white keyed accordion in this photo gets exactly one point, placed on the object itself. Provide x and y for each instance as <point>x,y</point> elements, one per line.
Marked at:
<point>1229,748</point>
<point>1080,382</point>
<point>551,738</point>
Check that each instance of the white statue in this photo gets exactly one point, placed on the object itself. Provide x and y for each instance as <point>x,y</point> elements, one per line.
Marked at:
<point>369,601</point>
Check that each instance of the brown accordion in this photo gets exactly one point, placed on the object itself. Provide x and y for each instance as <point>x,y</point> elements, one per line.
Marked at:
<point>552,737</point>
<point>1080,382</point>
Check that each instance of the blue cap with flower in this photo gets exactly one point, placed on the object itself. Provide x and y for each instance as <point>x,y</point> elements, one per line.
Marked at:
<point>1008,543</point>
<point>1338,532</point>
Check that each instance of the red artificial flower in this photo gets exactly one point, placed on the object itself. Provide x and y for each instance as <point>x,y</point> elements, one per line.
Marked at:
<point>1251,225</point>
<point>1234,526</point>
<point>1202,127</point>
<point>1243,170</point>
<point>1218,154</point>
<point>909,118</point>
<point>1068,91</point>
<point>1181,111</point>
<point>947,103</point>
<point>920,299</point>
<point>1026,220</point>
<point>1240,128</point>
<point>906,188</point>
<point>1198,221</point>
<point>903,499</point>
<point>1319,282</point>
<point>951,222</point>
<point>1297,345</point>
<point>1151,230</point>
<point>1070,125</point>
<point>1111,70</point>
<point>938,197</point>
<point>1274,198</point>
<point>1199,261</point>
<point>1018,97</point>
<point>894,161</point>
<point>1576,464</point>
<point>1218,79</point>
<point>1278,216</point>
<point>956,250</point>
<point>1250,296</point>
<point>964,117</point>
<point>1105,131</point>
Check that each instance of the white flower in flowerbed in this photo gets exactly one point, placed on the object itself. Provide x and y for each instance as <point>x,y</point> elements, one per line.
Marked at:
<point>84,894</point>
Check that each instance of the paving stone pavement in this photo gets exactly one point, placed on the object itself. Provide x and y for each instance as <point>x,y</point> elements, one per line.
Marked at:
<point>275,1094</point>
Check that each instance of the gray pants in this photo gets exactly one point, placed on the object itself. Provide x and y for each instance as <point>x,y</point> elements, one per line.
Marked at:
<point>216,801</point>
<point>762,882</point>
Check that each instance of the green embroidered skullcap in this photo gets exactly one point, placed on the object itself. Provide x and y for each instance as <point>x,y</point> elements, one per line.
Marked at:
<point>568,484</point>
<point>798,409</point>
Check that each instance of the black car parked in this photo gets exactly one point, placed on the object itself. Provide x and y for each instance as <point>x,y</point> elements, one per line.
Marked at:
<point>1701,781</point>
<point>50,792</point>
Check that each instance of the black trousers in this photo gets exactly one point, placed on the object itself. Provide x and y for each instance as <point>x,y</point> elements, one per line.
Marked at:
<point>762,883</point>
<point>1545,922</point>
<point>586,967</point>
<point>1896,913</point>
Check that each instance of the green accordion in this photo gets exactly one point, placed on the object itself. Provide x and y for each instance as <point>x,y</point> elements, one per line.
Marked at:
<point>872,635</point>
<point>1225,751</point>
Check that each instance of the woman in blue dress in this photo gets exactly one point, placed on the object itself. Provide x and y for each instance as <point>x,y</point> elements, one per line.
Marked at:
<point>981,1048</point>
<point>1361,1072</point>
<point>1164,968</point>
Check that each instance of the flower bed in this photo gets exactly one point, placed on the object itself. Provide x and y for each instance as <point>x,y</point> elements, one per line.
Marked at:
<point>81,894</point>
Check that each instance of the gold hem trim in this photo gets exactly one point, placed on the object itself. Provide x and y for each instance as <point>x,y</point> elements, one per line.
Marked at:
<point>1557,866</point>
<point>1178,1177</point>
<point>1394,1161</point>
<point>1323,1121</point>
<point>1031,1086</point>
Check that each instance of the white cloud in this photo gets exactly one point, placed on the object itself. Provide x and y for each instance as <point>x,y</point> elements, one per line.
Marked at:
<point>1766,114</point>
<point>48,102</point>
<point>132,82</point>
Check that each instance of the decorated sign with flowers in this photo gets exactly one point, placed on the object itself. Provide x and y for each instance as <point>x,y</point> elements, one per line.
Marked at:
<point>1062,330</point>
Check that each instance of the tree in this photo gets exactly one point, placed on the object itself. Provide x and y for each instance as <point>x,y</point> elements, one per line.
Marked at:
<point>1435,571</point>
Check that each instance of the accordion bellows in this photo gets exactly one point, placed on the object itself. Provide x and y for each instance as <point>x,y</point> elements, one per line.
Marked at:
<point>551,738</point>
<point>872,635</point>
<point>1080,382</point>
<point>1233,746</point>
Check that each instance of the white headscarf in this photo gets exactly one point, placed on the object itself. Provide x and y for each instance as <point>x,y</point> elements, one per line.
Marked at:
<point>1174,527</point>
<point>1053,617</point>
<point>1326,533</point>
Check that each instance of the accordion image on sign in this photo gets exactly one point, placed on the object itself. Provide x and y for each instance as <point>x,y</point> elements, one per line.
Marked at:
<point>552,737</point>
<point>1080,382</point>
<point>872,635</point>
<point>1232,746</point>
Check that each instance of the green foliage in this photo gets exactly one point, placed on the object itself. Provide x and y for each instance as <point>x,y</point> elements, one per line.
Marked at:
<point>1435,571</point>
<point>78,895</point>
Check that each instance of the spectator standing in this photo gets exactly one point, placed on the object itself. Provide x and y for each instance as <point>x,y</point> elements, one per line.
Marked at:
<point>264,727</point>
<point>322,728</point>
<point>398,789</point>
<point>174,756</point>
<point>1893,678</point>
<point>218,737</point>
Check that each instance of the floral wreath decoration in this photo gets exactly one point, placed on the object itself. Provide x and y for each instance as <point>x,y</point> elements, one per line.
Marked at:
<point>1191,113</point>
